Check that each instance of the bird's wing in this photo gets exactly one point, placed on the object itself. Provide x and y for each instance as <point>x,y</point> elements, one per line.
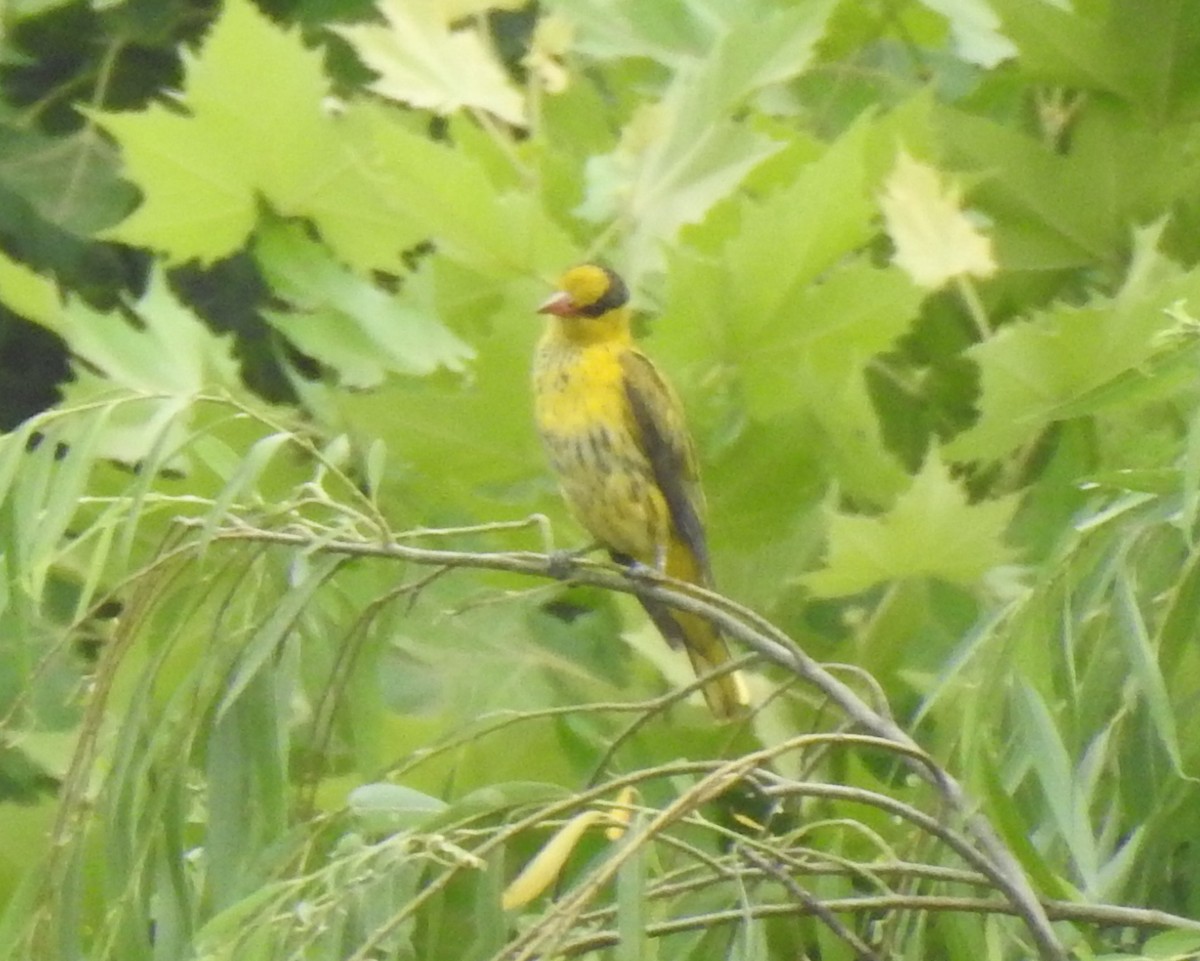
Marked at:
<point>660,428</point>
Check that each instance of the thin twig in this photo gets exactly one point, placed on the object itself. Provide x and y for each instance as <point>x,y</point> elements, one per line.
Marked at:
<point>815,907</point>
<point>744,626</point>
<point>878,904</point>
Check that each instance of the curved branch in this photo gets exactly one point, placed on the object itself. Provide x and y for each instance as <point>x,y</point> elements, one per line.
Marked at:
<point>739,624</point>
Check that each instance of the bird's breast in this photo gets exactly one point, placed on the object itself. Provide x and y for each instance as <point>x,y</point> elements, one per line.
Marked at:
<point>582,416</point>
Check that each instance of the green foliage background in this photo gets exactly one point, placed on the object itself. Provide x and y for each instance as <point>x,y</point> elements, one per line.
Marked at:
<point>266,284</point>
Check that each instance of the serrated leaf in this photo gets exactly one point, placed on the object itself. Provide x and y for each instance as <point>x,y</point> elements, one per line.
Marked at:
<point>935,242</point>
<point>818,218</point>
<point>69,181</point>
<point>976,31</point>
<point>1032,372</point>
<point>931,531</point>
<point>286,113</point>
<point>424,63</point>
<point>800,329</point>
<point>152,368</point>
<point>471,433</point>
<point>171,352</point>
<point>1045,219</point>
<point>450,195</point>
<point>1143,54</point>
<point>681,155</point>
<point>1061,45</point>
<point>349,324</point>
<point>200,197</point>
<point>667,33</point>
<point>816,351</point>
<point>197,200</point>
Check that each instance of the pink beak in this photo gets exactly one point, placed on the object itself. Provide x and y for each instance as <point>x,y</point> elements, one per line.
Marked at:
<point>559,304</point>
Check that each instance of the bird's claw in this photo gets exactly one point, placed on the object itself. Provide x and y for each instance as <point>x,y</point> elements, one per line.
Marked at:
<point>639,571</point>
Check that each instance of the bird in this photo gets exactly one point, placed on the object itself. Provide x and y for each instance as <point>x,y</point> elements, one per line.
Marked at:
<point>614,432</point>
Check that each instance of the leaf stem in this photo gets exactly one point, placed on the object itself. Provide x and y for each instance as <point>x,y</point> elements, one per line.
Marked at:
<point>970,296</point>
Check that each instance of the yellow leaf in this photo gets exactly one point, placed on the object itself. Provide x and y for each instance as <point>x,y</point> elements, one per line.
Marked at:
<point>545,866</point>
<point>619,814</point>
<point>935,241</point>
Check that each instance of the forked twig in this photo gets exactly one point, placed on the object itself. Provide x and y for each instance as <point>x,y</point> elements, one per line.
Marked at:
<point>754,632</point>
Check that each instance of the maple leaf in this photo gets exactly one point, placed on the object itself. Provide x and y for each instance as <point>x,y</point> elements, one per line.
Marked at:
<point>930,531</point>
<point>423,63</point>
<point>203,167</point>
<point>935,241</point>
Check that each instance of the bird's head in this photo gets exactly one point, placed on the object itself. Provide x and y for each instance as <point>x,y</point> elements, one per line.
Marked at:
<point>587,290</point>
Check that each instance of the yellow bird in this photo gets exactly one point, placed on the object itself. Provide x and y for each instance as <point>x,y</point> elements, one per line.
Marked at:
<point>616,437</point>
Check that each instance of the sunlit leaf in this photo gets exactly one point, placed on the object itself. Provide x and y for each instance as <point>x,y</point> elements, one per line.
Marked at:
<point>934,240</point>
<point>423,62</point>
<point>200,198</point>
<point>975,27</point>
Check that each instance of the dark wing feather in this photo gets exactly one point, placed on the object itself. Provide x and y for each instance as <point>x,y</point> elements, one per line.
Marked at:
<point>658,417</point>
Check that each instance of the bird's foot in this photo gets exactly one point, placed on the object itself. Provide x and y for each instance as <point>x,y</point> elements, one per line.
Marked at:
<point>640,571</point>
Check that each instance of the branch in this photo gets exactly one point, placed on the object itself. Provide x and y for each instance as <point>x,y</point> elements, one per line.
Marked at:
<point>739,624</point>
<point>878,904</point>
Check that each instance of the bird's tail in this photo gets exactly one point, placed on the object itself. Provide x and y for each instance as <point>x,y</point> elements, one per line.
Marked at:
<point>727,695</point>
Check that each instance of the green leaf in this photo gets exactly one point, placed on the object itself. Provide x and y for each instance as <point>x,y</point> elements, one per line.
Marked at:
<point>151,368</point>
<point>819,348</point>
<point>197,201</point>
<point>1061,45</point>
<point>200,197</point>
<point>632,914</point>
<point>1013,827</point>
<point>474,434</point>
<point>1143,662</point>
<point>680,156</point>
<point>1031,371</point>
<point>27,293</point>
<point>818,217</point>
<point>1144,55</point>
<point>311,573</point>
<point>1158,46</point>
<point>448,192</point>
<point>1172,944</point>
<point>1043,745</point>
<point>1045,218</point>
<point>422,62</point>
<point>931,531</point>
<point>975,28</point>
<point>347,323</point>
<point>71,182</point>
<point>387,808</point>
<point>801,330</point>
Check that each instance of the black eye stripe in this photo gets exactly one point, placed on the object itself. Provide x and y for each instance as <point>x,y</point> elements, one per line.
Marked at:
<point>617,295</point>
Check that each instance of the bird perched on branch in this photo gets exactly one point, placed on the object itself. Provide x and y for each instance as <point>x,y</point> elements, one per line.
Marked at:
<point>616,437</point>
